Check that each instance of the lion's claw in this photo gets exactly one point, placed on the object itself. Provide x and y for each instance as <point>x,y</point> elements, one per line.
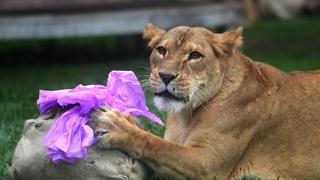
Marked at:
<point>99,133</point>
<point>111,127</point>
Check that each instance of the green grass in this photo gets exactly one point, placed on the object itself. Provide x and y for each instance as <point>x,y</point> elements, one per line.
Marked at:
<point>289,45</point>
<point>19,92</point>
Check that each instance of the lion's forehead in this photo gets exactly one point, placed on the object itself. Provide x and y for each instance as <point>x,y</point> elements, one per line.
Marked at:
<point>185,37</point>
<point>186,46</point>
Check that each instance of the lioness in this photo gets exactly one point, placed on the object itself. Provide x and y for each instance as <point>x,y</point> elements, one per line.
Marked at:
<point>228,116</point>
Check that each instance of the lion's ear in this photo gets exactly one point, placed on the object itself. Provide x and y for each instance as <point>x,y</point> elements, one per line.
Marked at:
<point>153,34</point>
<point>226,42</point>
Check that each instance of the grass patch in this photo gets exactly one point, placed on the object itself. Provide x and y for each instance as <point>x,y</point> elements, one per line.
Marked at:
<point>19,92</point>
<point>289,45</point>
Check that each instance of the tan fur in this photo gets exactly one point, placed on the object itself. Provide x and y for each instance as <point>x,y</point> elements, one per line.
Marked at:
<point>248,118</point>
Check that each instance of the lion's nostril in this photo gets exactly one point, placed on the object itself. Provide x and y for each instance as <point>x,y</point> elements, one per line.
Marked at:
<point>166,78</point>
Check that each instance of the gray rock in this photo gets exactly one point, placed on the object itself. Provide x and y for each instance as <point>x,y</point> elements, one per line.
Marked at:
<point>30,160</point>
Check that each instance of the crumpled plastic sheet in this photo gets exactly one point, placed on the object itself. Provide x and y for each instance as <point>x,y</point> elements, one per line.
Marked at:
<point>70,136</point>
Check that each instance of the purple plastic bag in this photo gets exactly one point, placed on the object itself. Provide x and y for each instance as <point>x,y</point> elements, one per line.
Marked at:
<point>70,137</point>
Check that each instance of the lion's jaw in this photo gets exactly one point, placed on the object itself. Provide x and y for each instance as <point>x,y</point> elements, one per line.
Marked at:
<point>172,96</point>
<point>194,91</point>
<point>166,105</point>
<point>179,94</point>
<point>187,65</point>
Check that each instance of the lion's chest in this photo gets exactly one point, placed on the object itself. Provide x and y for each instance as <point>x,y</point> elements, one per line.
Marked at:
<point>177,129</point>
<point>175,135</point>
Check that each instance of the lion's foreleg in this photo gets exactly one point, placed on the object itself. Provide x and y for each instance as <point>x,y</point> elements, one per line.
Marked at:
<point>169,158</point>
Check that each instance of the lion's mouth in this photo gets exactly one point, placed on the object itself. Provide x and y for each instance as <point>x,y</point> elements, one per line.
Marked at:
<point>168,95</point>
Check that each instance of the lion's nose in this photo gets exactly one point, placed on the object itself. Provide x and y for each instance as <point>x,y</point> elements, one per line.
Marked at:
<point>166,78</point>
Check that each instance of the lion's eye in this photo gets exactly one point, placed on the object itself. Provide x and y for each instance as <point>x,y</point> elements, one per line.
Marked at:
<point>195,55</point>
<point>162,50</point>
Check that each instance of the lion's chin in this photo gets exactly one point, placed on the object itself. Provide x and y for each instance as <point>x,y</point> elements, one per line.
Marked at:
<point>164,104</point>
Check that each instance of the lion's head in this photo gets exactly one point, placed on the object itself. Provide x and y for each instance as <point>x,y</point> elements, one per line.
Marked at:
<point>188,64</point>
